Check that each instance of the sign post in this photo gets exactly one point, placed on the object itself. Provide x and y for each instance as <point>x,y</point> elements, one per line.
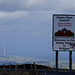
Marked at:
<point>70,63</point>
<point>56,62</point>
<point>63,36</point>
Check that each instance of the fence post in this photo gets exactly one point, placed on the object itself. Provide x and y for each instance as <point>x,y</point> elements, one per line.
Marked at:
<point>16,67</point>
<point>9,66</point>
<point>4,67</point>
<point>45,72</point>
<point>24,66</point>
<point>35,68</point>
<point>31,67</point>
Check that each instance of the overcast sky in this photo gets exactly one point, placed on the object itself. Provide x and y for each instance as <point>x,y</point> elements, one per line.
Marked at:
<point>26,26</point>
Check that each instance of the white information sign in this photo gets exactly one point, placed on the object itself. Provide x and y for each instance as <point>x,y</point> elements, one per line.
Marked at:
<point>63,32</point>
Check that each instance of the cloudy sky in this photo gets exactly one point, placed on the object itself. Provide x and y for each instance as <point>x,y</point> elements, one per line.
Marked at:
<point>26,26</point>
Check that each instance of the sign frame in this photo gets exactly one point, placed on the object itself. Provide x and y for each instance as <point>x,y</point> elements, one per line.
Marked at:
<point>53,37</point>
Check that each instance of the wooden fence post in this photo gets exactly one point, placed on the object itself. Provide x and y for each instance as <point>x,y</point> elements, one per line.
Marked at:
<point>16,67</point>
<point>4,66</point>
<point>24,66</point>
<point>35,68</point>
<point>9,66</point>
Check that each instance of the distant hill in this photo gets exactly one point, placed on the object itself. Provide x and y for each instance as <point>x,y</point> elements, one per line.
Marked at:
<point>26,60</point>
<point>21,60</point>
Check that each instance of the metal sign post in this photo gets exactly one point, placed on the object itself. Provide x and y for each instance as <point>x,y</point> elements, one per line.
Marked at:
<point>56,62</point>
<point>70,63</point>
<point>63,36</point>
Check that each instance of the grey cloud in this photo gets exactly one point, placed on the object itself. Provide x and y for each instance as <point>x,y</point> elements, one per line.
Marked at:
<point>67,6</point>
<point>36,24</point>
<point>13,5</point>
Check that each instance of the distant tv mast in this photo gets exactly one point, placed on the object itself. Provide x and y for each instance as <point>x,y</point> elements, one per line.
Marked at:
<point>4,48</point>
